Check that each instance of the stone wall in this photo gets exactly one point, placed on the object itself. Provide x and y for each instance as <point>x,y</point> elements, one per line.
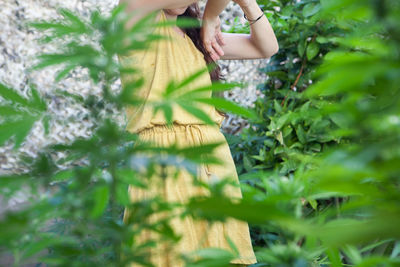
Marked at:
<point>19,46</point>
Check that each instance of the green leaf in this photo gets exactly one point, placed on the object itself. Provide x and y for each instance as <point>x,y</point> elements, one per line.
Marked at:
<point>279,137</point>
<point>39,245</point>
<point>396,250</point>
<point>277,106</point>
<point>63,175</point>
<point>313,203</point>
<point>46,124</point>
<point>16,179</point>
<point>352,253</point>
<point>283,120</point>
<point>50,59</point>
<point>12,95</point>
<point>228,106</point>
<point>334,256</point>
<point>311,9</point>
<point>301,135</point>
<point>316,147</point>
<point>312,50</point>
<point>122,194</point>
<point>232,245</point>
<point>172,86</point>
<point>73,19</point>
<point>301,47</point>
<point>217,87</point>
<point>61,74</point>
<point>129,176</point>
<point>199,113</point>
<point>36,102</point>
<point>219,207</point>
<point>167,113</point>
<point>117,10</point>
<point>210,257</point>
<point>18,128</point>
<point>247,163</point>
<point>304,108</point>
<point>322,40</point>
<point>9,110</point>
<point>58,29</point>
<point>101,196</point>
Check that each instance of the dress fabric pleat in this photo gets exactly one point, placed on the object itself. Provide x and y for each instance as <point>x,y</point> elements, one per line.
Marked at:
<point>178,58</point>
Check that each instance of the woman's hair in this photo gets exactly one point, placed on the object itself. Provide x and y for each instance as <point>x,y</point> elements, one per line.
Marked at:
<point>193,11</point>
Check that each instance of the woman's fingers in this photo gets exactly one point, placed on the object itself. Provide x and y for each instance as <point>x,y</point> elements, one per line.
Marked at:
<point>214,49</point>
<point>210,47</point>
<point>220,38</point>
<point>217,48</point>
<point>212,38</point>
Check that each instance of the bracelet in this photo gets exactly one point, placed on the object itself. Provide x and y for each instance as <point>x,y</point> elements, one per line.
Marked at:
<point>252,21</point>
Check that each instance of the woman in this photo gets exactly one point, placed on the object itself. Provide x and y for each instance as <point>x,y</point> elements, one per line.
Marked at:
<point>182,54</point>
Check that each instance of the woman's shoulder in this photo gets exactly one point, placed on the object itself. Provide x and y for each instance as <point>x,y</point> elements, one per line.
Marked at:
<point>136,53</point>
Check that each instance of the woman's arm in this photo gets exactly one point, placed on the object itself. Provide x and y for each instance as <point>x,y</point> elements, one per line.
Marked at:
<point>152,5</point>
<point>147,6</point>
<point>141,8</point>
<point>211,29</point>
<point>260,43</point>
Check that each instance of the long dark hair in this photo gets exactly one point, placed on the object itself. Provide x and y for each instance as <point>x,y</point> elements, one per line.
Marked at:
<point>193,11</point>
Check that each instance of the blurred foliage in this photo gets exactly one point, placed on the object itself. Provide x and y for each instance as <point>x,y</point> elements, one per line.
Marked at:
<point>73,214</point>
<point>19,114</point>
<point>328,137</point>
<point>319,164</point>
<point>290,124</point>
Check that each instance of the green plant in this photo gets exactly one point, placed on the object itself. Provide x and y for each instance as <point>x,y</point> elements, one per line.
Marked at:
<point>326,131</point>
<point>329,196</point>
<point>74,214</point>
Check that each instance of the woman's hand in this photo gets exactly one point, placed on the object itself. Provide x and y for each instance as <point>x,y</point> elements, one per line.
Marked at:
<point>212,38</point>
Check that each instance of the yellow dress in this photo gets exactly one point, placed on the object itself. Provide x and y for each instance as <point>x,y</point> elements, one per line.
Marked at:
<point>177,58</point>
